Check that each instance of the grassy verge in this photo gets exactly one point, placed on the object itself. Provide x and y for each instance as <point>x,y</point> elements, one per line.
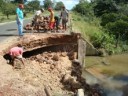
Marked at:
<point>111,65</point>
<point>83,25</point>
<point>4,19</point>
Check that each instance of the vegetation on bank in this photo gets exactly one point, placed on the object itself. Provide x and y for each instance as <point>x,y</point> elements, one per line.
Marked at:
<point>101,23</point>
<point>105,24</point>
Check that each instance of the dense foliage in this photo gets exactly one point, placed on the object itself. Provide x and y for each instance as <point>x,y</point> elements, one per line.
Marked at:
<point>47,4</point>
<point>8,9</point>
<point>34,5</point>
<point>113,16</point>
<point>59,5</point>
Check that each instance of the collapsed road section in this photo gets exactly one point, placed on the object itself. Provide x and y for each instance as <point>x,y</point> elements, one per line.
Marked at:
<point>53,66</point>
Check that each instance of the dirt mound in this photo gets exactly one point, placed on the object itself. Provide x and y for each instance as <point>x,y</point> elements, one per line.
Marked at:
<point>48,69</point>
<point>51,67</point>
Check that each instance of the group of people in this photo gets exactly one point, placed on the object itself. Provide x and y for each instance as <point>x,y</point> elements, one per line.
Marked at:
<point>54,21</point>
<point>17,52</point>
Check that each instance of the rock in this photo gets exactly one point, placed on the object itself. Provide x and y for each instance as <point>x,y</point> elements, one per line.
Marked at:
<point>66,78</point>
<point>55,57</point>
<point>50,62</point>
<point>64,54</point>
<point>105,62</point>
<point>102,52</point>
<point>38,56</point>
<point>76,61</point>
<point>72,55</point>
<point>52,67</point>
<point>80,92</point>
<point>49,55</point>
<point>18,64</point>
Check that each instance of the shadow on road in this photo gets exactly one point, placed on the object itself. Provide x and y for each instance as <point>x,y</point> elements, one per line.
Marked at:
<point>11,30</point>
<point>7,35</point>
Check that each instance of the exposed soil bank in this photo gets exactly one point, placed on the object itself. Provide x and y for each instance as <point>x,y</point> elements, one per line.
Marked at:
<point>48,65</point>
<point>51,67</point>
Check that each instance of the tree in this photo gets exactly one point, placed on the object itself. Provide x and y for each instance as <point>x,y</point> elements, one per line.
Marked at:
<point>8,9</point>
<point>83,8</point>
<point>19,1</point>
<point>1,3</point>
<point>34,5</point>
<point>118,28</point>
<point>121,1</point>
<point>59,5</point>
<point>81,1</point>
<point>47,4</point>
<point>109,17</point>
<point>105,6</point>
<point>124,9</point>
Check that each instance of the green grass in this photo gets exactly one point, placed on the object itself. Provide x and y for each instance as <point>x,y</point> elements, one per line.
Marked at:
<point>117,64</point>
<point>83,25</point>
<point>4,19</point>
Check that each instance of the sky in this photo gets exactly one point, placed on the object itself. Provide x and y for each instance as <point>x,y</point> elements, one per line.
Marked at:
<point>69,4</point>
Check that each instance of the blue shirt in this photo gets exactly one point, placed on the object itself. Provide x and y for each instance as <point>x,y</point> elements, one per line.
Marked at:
<point>19,12</point>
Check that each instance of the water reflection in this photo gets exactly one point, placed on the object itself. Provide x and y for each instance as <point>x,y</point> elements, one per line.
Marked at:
<point>125,90</point>
<point>113,86</point>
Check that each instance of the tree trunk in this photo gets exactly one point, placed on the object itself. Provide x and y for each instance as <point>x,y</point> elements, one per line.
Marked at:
<point>117,41</point>
<point>7,16</point>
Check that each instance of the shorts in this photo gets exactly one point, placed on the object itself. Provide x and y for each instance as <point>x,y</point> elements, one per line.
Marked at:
<point>64,21</point>
<point>51,25</point>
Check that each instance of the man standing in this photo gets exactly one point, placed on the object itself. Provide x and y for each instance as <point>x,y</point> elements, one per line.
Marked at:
<point>19,19</point>
<point>16,53</point>
<point>64,16</point>
<point>52,20</point>
<point>37,16</point>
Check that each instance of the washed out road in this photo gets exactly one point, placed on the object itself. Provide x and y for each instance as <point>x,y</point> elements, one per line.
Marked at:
<point>9,29</point>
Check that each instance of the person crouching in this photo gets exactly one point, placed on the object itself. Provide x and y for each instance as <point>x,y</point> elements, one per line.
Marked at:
<point>16,53</point>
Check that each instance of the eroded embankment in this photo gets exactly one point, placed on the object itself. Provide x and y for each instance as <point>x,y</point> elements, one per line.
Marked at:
<point>51,67</point>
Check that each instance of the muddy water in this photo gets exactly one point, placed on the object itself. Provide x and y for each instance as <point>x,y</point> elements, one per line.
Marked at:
<point>113,85</point>
<point>115,64</point>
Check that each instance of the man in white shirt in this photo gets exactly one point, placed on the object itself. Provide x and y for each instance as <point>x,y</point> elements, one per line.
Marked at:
<point>64,16</point>
<point>37,16</point>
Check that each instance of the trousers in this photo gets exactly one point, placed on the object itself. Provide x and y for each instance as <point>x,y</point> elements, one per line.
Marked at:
<point>20,26</point>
